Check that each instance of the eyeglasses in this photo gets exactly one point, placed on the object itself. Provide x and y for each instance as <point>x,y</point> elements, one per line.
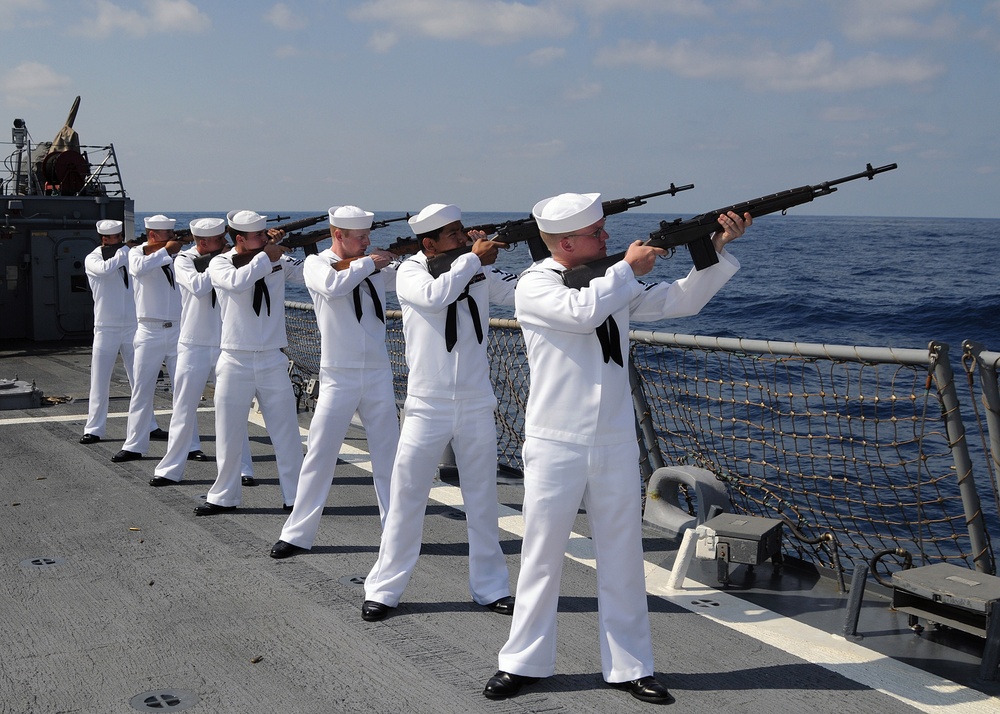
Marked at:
<point>596,235</point>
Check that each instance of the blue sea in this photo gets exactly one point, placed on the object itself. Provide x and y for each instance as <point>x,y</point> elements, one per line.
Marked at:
<point>887,282</point>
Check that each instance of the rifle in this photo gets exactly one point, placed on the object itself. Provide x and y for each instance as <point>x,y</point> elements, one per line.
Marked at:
<point>108,251</point>
<point>306,240</point>
<point>526,229</point>
<point>183,235</point>
<point>400,246</point>
<point>386,221</point>
<point>696,233</point>
<point>186,232</point>
<point>202,261</point>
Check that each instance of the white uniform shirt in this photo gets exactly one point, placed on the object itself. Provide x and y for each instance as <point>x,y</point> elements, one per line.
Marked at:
<point>575,395</point>
<point>345,341</point>
<point>242,327</point>
<point>464,372</point>
<point>156,298</point>
<point>201,317</point>
<point>114,302</point>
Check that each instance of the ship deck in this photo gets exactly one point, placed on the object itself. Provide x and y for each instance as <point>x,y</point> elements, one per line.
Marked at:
<point>114,597</point>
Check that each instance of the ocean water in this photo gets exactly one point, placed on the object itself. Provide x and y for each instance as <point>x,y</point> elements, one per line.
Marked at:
<point>886,282</point>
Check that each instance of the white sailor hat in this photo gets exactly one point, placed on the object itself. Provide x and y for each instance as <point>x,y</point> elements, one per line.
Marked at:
<point>350,217</point>
<point>109,227</point>
<point>247,221</point>
<point>568,212</point>
<point>434,216</point>
<point>159,223</point>
<point>207,227</point>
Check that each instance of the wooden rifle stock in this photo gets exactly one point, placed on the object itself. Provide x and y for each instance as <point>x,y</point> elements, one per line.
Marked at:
<point>696,233</point>
<point>401,246</point>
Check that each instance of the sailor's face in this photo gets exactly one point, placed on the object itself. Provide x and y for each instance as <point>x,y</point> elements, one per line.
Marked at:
<point>160,235</point>
<point>116,239</point>
<point>590,243</point>
<point>255,239</point>
<point>353,241</point>
<point>212,244</point>
<point>452,236</point>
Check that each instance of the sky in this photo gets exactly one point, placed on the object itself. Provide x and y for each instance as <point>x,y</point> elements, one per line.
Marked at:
<point>495,104</point>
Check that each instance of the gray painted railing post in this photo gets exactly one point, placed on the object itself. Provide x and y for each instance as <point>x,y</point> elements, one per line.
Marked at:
<point>944,376</point>
<point>987,363</point>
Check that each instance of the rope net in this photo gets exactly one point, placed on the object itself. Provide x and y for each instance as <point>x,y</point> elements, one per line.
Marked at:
<point>856,449</point>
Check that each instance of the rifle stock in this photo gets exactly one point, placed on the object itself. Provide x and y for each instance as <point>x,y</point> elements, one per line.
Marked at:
<point>108,251</point>
<point>526,230</point>
<point>401,246</point>
<point>696,233</point>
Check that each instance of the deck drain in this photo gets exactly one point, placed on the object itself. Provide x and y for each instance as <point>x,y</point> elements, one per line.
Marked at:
<point>174,700</point>
<point>352,580</point>
<point>705,603</point>
<point>42,562</point>
<point>454,515</point>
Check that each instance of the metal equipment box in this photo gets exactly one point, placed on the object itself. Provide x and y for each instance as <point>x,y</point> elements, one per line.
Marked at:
<point>745,539</point>
<point>947,594</point>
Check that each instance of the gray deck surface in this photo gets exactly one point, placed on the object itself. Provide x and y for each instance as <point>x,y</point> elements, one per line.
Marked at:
<point>148,598</point>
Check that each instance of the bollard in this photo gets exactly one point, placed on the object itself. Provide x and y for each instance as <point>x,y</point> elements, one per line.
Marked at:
<point>854,600</point>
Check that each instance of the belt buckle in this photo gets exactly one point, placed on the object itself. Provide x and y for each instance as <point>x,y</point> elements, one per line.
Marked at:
<point>167,324</point>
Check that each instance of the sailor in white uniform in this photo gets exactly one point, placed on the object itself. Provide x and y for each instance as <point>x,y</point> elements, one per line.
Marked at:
<point>449,398</point>
<point>251,293</point>
<point>158,310</point>
<point>580,444</point>
<point>355,373</point>
<point>197,352</point>
<point>114,323</point>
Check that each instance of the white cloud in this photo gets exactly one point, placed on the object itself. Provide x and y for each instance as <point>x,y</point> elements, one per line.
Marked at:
<point>761,68</point>
<point>868,21</point>
<point>23,14</point>
<point>161,17</point>
<point>282,17</point>
<point>30,79</point>
<point>694,9</point>
<point>582,91</point>
<point>490,22</point>
<point>847,114</point>
<point>382,41</point>
<point>545,56</point>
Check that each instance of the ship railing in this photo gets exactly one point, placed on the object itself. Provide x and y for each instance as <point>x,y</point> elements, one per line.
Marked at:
<point>978,361</point>
<point>35,171</point>
<point>861,446</point>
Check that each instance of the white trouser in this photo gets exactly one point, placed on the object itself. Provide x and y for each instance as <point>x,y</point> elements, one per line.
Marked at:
<point>341,393</point>
<point>557,478</point>
<point>154,346</point>
<point>108,343</point>
<point>428,426</point>
<point>195,366</point>
<point>239,376</point>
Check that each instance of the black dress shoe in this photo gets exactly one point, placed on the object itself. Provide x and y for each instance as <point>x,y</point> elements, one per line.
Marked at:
<point>211,509</point>
<point>158,481</point>
<point>158,435</point>
<point>248,480</point>
<point>646,689</point>
<point>372,611</point>
<point>126,456</point>
<point>281,549</point>
<point>89,439</point>
<point>503,606</point>
<point>504,684</point>
<point>197,455</point>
